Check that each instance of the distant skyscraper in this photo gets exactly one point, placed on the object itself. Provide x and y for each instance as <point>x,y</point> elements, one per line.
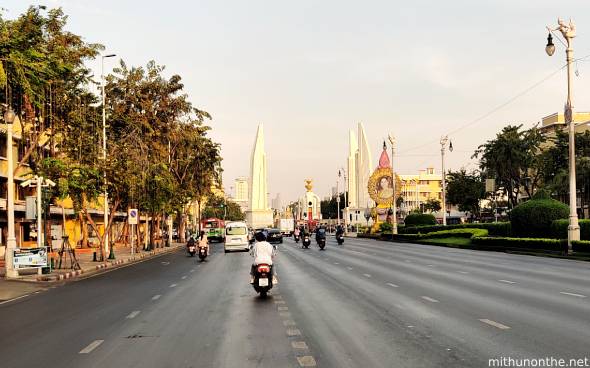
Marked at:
<point>242,192</point>
<point>334,191</point>
<point>277,204</point>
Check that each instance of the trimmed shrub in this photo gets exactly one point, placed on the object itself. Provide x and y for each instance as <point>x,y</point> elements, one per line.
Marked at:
<point>533,218</point>
<point>559,229</point>
<point>521,243</point>
<point>386,226</point>
<point>414,219</point>
<point>493,228</point>
<point>454,233</point>
<point>582,246</point>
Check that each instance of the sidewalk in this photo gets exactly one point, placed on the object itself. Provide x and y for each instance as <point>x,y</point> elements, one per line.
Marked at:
<point>88,266</point>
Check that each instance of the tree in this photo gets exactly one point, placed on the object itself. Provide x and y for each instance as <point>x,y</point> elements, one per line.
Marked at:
<point>329,208</point>
<point>465,190</point>
<point>432,205</point>
<point>218,207</point>
<point>513,158</point>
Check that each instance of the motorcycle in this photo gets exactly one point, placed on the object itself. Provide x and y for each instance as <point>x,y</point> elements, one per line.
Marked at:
<point>263,280</point>
<point>340,238</point>
<point>306,242</point>
<point>321,243</point>
<point>202,252</point>
<point>191,249</point>
<point>296,237</point>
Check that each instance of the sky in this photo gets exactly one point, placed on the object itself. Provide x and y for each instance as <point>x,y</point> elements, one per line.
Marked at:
<point>310,70</point>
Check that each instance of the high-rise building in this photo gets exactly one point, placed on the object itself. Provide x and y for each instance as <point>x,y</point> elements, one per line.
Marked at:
<point>277,204</point>
<point>242,193</point>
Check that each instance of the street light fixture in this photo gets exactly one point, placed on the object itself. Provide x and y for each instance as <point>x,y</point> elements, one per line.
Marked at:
<point>443,145</point>
<point>568,31</point>
<point>394,201</point>
<point>11,272</point>
<point>104,156</point>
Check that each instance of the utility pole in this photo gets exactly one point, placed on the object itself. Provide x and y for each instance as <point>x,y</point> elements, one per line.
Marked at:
<point>394,204</point>
<point>338,196</point>
<point>104,155</point>
<point>11,272</point>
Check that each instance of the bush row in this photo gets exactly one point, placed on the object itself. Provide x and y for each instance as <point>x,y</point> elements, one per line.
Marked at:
<point>522,243</point>
<point>582,246</point>
<point>534,218</point>
<point>559,229</point>
<point>415,219</point>
<point>493,228</point>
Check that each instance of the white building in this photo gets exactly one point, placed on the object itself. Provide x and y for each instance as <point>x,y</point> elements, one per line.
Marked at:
<point>360,166</point>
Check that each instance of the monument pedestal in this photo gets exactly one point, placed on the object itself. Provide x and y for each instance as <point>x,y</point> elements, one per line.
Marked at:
<point>259,218</point>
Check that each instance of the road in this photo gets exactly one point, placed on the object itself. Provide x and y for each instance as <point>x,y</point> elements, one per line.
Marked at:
<point>364,304</point>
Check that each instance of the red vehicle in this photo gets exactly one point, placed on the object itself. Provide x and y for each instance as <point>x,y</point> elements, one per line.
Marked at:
<point>214,228</point>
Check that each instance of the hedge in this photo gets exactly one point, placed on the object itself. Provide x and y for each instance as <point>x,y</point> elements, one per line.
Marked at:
<point>419,219</point>
<point>522,243</point>
<point>493,228</point>
<point>534,218</point>
<point>559,229</point>
<point>582,246</point>
<point>462,233</point>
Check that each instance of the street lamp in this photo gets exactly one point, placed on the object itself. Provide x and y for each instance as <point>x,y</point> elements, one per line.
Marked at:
<point>345,213</point>
<point>443,145</point>
<point>568,31</point>
<point>338,197</point>
<point>394,204</point>
<point>104,154</point>
<point>11,272</point>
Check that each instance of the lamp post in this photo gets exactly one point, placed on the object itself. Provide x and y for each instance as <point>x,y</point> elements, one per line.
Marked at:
<point>104,154</point>
<point>338,197</point>
<point>443,145</point>
<point>11,272</point>
<point>394,204</point>
<point>345,214</point>
<point>568,31</point>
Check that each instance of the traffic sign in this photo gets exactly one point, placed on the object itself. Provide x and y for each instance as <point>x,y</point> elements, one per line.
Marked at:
<point>132,216</point>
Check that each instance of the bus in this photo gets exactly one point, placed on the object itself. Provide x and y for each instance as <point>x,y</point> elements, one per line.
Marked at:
<point>214,228</point>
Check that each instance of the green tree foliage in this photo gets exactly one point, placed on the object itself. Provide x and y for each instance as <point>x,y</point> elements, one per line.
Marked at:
<point>329,208</point>
<point>432,205</point>
<point>465,190</point>
<point>513,158</point>
<point>414,219</point>
<point>217,207</point>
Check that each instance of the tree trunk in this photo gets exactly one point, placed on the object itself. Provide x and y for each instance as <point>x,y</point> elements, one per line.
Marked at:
<point>83,230</point>
<point>181,226</point>
<point>151,230</point>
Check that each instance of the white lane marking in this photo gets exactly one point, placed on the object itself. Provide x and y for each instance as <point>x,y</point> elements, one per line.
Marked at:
<point>463,272</point>
<point>392,285</point>
<point>507,281</point>
<point>572,294</point>
<point>133,314</point>
<point>192,271</point>
<point>429,299</point>
<point>336,263</point>
<point>299,345</point>
<point>173,285</point>
<point>13,299</point>
<point>366,275</point>
<point>93,345</point>
<point>165,263</point>
<point>183,277</point>
<point>430,265</point>
<point>306,361</point>
<point>495,324</point>
<point>349,268</point>
<point>156,297</point>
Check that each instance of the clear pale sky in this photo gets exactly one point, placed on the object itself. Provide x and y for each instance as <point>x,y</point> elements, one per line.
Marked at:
<point>310,70</point>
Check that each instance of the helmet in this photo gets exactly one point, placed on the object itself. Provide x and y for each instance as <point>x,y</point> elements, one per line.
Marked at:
<point>260,235</point>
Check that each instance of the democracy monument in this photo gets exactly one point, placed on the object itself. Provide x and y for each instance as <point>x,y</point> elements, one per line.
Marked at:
<point>259,213</point>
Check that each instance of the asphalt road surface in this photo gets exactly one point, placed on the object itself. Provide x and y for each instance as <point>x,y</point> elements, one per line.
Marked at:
<point>364,304</point>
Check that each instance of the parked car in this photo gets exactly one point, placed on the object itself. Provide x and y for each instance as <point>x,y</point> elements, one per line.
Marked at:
<point>274,236</point>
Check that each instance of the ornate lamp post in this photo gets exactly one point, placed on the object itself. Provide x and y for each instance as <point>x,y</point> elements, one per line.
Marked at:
<point>568,31</point>
<point>11,272</point>
<point>104,156</point>
<point>394,204</point>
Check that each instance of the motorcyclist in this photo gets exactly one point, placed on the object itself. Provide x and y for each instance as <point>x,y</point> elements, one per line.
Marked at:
<point>339,230</point>
<point>296,232</point>
<point>320,234</point>
<point>263,253</point>
<point>203,241</point>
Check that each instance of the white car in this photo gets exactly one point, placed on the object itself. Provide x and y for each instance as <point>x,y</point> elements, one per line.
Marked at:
<point>236,236</point>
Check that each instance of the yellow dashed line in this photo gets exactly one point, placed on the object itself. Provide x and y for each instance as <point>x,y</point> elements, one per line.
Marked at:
<point>306,361</point>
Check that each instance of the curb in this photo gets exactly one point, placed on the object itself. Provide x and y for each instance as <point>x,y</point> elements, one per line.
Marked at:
<point>109,264</point>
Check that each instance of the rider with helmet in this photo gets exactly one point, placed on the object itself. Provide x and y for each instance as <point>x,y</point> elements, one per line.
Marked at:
<point>263,253</point>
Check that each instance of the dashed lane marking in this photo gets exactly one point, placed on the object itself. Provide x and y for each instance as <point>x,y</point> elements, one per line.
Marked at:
<point>507,281</point>
<point>93,345</point>
<point>288,323</point>
<point>299,345</point>
<point>430,265</point>
<point>572,294</point>
<point>183,277</point>
<point>392,285</point>
<point>156,297</point>
<point>283,309</point>
<point>279,302</point>
<point>366,275</point>
<point>336,263</point>
<point>306,361</point>
<point>349,268</point>
<point>133,314</point>
<point>463,272</point>
<point>192,271</point>
<point>285,314</point>
<point>173,285</point>
<point>293,332</point>
<point>429,299</point>
<point>495,324</point>
<point>165,263</point>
